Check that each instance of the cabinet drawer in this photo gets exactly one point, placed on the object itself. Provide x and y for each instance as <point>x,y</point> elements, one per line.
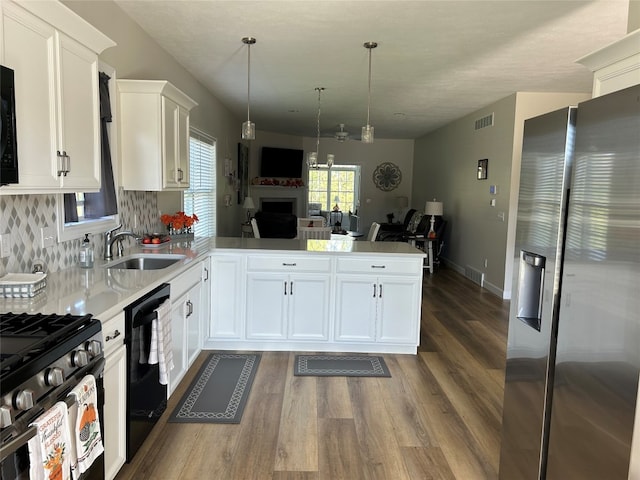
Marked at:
<point>289,264</point>
<point>379,266</point>
<point>113,333</point>
<point>185,281</point>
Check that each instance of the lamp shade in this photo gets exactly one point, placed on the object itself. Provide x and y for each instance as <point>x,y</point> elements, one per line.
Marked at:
<point>248,203</point>
<point>433,208</point>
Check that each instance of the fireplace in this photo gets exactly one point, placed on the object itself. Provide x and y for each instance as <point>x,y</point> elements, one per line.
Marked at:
<point>279,199</point>
<point>278,205</point>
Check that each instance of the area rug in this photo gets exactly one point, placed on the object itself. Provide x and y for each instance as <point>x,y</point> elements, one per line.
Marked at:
<point>219,392</point>
<point>340,366</point>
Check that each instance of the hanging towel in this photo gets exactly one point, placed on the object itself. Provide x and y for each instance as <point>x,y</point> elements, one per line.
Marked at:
<point>49,449</point>
<point>161,352</point>
<point>84,425</point>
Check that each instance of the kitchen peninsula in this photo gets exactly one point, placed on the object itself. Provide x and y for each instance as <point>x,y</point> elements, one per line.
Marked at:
<point>315,295</point>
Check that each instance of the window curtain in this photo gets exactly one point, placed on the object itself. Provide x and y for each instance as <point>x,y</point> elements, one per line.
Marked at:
<point>102,203</point>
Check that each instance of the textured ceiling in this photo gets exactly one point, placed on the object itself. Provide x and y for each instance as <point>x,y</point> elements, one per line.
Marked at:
<point>436,61</point>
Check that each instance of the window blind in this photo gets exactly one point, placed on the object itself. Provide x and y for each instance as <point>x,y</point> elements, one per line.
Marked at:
<point>200,198</point>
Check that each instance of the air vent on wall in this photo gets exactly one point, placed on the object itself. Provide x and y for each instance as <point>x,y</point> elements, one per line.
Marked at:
<point>476,276</point>
<point>484,122</point>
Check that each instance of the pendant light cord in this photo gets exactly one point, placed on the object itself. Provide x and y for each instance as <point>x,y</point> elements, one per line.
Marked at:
<point>369,95</point>
<point>319,89</point>
<point>249,79</point>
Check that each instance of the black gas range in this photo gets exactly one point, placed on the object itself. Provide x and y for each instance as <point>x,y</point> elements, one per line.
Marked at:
<point>42,358</point>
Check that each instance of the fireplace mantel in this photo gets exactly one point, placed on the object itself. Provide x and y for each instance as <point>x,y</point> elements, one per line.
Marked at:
<point>297,194</point>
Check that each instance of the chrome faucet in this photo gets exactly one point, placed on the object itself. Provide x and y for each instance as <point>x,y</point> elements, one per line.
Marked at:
<point>110,237</point>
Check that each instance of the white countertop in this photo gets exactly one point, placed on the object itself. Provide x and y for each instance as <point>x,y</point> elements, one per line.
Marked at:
<point>105,292</point>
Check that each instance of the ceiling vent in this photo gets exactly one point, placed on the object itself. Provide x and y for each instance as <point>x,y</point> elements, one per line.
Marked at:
<point>484,122</point>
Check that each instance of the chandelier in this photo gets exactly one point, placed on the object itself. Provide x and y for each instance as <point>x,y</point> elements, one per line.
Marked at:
<point>312,157</point>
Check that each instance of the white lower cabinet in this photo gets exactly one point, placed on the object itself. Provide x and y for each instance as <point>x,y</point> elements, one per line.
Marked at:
<point>115,401</point>
<point>186,317</point>
<point>378,308</point>
<point>281,306</point>
<point>227,297</point>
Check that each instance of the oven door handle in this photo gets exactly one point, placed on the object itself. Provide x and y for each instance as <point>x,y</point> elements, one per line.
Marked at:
<point>12,446</point>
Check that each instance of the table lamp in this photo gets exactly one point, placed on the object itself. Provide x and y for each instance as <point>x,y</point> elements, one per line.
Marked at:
<point>249,205</point>
<point>433,208</point>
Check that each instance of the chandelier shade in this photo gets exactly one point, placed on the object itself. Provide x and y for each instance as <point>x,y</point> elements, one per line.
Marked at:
<point>248,127</point>
<point>368,130</point>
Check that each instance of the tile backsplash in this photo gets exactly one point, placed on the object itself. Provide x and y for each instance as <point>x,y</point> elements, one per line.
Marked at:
<point>22,216</point>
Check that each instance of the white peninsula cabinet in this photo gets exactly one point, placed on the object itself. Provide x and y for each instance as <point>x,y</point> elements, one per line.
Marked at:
<point>288,297</point>
<point>115,402</point>
<point>378,300</point>
<point>315,295</point>
<point>54,55</point>
<point>154,135</point>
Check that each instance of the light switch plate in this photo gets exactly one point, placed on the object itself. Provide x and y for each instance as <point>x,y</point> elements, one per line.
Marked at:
<point>47,237</point>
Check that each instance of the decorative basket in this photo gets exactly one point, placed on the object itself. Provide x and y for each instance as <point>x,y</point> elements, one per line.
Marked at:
<point>22,285</point>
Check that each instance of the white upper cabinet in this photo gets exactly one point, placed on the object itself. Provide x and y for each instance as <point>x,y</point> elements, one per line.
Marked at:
<point>54,55</point>
<point>154,135</point>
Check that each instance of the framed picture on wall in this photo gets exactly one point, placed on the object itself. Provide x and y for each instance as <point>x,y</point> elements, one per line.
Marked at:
<point>483,168</point>
<point>243,172</point>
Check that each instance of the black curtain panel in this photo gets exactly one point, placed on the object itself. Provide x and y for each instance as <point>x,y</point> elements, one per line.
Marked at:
<point>104,202</point>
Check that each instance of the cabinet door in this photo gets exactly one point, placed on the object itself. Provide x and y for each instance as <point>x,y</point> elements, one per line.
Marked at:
<point>115,413</point>
<point>398,310</point>
<point>179,310</point>
<point>170,120</point>
<point>193,319</point>
<point>226,297</point>
<point>29,49</point>
<point>78,114</point>
<point>308,309</point>
<point>183,147</point>
<point>267,299</point>
<point>356,301</point>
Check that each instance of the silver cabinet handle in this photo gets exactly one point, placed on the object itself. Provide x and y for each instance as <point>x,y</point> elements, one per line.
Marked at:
<point>380,292</point>
<point>288,264</point>
<point>285,287</point>
<point>206,271</point>
<point>67,167</point>
<point>374,290</point>
<point>180,175</point>
<point>116,334</point>
<point>60,156</point>
<point>378,266</point>
<point>190,308</point>
<point>290,288</point>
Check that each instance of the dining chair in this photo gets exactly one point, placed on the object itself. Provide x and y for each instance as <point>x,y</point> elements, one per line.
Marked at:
<point>254,227</point>
<point>373,231</point>
<point>316,233</point>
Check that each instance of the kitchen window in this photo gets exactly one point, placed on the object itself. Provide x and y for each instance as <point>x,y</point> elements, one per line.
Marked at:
<point>200,198</point>
<point>341,182</point>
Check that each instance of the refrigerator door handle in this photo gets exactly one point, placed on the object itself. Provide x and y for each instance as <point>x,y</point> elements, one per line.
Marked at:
<point>530,289</point>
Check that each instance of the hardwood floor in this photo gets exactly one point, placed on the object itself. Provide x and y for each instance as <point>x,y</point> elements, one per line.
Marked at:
<point>437,417</point>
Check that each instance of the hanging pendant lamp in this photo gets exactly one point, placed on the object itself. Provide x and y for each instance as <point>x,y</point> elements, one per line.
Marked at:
<point>248,127</point>
<point>312,157</point>
<point>367,131</point>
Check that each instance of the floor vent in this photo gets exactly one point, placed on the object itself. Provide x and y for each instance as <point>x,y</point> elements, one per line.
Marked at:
<point>476,276</point>
<point>484,122</point>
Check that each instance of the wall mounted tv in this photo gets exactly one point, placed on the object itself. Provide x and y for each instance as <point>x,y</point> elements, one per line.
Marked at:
<point>281,162</point>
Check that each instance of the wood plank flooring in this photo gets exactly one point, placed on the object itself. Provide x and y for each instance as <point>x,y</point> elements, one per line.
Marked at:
<point>438,417</point>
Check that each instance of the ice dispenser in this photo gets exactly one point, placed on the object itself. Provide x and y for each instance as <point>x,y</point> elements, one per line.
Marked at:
<point>530,283</point>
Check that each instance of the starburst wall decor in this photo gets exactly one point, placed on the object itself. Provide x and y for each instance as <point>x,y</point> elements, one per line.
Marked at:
<point>387,176</point>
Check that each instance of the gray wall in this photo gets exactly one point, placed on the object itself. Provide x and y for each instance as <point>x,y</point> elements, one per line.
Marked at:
<point>137,56</point>
<point>445,164</point>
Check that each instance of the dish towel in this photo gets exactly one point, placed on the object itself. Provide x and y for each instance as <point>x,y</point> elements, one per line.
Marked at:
<point>84,425</point>
<point>49,449</point>
<point>161,352</point>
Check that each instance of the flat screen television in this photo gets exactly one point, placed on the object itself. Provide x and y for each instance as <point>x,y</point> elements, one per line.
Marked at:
<point>281,162</point>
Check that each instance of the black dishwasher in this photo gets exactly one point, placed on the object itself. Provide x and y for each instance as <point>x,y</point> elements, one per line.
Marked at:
<point>146,396</point>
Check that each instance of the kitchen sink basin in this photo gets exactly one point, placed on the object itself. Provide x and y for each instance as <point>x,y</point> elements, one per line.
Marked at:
<point>145,262</point>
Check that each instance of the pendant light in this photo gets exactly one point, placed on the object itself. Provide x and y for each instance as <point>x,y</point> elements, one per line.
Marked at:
<point>367,131</point>
<point>312,157</point>
<point>248,127</point>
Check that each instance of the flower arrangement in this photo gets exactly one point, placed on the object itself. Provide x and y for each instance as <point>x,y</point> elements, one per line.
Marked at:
<point>179,222</point>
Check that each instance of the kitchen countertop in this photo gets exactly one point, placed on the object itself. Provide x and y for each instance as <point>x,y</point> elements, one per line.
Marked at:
<point>105,292</point>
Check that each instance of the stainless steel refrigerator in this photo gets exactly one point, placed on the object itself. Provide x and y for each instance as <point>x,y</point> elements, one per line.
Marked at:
<point>573,352</point>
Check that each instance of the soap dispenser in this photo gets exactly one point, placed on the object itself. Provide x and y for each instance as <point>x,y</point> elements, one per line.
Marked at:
<point>86,253</point>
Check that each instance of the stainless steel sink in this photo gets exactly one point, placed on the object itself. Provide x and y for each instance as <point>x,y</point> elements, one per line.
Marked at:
<point>144,261</point>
